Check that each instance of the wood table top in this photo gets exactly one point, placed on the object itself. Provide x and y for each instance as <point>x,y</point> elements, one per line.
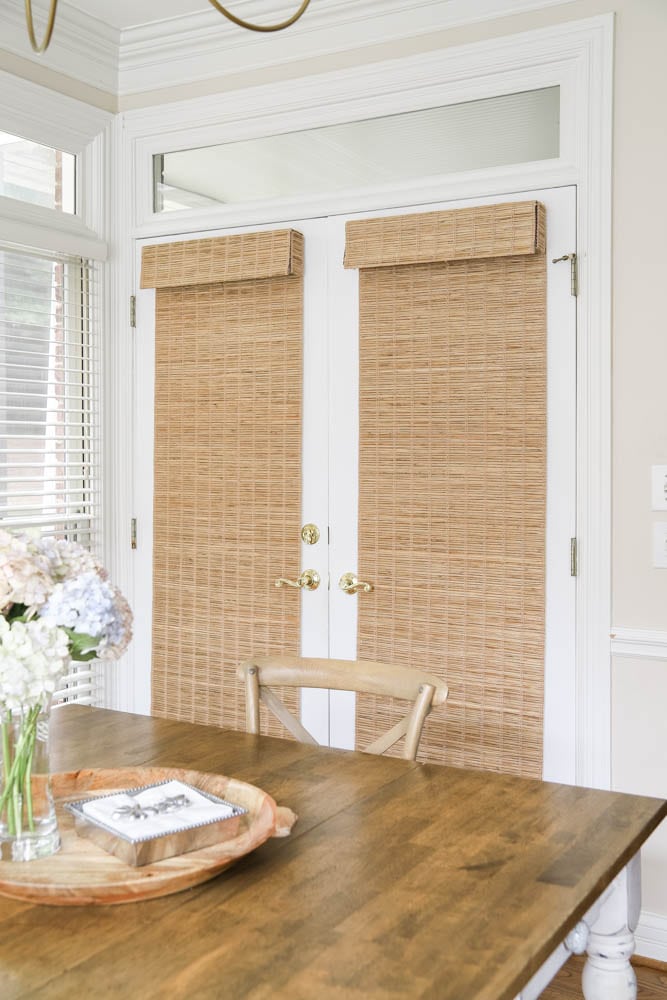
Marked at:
<point>398,880</point>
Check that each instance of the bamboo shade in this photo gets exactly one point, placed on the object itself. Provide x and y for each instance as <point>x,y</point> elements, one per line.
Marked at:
<point>464,234</point>
<point>228,384</point>
<point>245,257</point>
<point>452,497</point>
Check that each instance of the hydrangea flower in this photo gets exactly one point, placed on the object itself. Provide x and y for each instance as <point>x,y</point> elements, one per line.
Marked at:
<point>56,605</point>
<point>24,576</point>
<point>33,657</point>
<point>88,605</point>
<point>66,559</point>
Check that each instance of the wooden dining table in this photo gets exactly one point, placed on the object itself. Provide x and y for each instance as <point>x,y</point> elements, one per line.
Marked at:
<point>399,879</point>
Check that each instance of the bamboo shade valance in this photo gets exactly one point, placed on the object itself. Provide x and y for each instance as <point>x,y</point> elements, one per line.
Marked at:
<point>221,259</point>
<point>507,230</point>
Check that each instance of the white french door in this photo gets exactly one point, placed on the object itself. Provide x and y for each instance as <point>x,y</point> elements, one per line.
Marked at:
<point>330,468</point>
<point>559,708</point>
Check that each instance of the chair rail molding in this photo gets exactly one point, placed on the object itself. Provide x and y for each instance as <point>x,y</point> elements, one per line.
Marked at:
<point>578,57</point>
<point>639,642</point>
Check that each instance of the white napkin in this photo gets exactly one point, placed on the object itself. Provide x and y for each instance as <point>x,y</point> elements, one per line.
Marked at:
<point>198,811</point>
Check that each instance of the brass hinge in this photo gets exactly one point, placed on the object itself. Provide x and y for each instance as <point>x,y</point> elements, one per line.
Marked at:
<point>133,310</point>
<point>573,557</point>
<point>574,271</point>
<point>133,533</point>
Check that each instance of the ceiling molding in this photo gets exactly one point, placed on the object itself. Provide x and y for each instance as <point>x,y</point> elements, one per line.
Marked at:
<point>83,47</point>
<point>204,46</point>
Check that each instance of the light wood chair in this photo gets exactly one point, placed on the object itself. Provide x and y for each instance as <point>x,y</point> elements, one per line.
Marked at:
<point>262,673</point>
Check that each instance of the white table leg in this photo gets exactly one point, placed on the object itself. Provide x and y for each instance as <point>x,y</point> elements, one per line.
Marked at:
<point>608,974</point>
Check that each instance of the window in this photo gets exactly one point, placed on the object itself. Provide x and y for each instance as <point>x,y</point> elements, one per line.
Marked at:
<point>49,408</point>
<point>495,131</point>
<point>37,174</point>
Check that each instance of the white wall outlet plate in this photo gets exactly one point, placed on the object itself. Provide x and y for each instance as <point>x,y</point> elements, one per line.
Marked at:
<point>660,544</point>
<point>659,487</point>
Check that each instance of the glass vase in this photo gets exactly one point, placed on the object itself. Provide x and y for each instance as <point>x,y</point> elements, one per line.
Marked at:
<point>28,823</point>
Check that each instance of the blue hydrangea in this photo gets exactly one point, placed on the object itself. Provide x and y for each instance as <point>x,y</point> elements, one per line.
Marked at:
<point>84,604</point>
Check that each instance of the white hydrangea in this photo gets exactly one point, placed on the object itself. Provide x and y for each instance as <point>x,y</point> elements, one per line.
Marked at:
<point>66,560</point>
<point>59,583</point>
<point>25,576</point>
<point>33,658</point>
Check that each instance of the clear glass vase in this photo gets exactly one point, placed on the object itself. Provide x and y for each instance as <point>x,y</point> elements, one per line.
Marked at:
<point>28,823</point>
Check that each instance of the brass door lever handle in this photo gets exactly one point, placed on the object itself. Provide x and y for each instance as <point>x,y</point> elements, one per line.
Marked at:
<point>350,584</point>
<point>309,580</point>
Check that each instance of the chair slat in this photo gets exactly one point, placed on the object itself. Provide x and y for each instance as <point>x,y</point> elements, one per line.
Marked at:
<point>285,716</point>
<point>388,739</point>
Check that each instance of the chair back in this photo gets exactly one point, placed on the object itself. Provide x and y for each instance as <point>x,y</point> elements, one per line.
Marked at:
<point>262,673</point>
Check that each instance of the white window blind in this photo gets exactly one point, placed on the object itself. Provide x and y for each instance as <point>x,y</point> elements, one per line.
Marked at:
<point>50,454</point>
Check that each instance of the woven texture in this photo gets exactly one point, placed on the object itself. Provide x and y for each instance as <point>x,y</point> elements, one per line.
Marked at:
<point>464,234</point>
<point>224,258</point>
<point>452,499</point>
<point>228,385</point>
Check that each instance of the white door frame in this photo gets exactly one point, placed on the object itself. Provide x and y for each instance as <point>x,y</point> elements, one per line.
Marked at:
<point>576,56</point>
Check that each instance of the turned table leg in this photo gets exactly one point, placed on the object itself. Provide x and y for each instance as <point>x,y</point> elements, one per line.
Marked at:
<point>608,974</point>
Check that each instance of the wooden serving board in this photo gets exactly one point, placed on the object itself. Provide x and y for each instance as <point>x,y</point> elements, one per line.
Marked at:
<point>82,873</point>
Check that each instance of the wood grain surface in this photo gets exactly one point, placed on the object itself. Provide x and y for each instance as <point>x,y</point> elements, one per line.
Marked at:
<point>399,880</point>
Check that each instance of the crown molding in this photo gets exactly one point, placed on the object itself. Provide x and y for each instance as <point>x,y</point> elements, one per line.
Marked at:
<point>204,46</point>
<point>83,47</point>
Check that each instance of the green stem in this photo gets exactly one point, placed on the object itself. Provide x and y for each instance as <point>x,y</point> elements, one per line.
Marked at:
<point>17,773</point>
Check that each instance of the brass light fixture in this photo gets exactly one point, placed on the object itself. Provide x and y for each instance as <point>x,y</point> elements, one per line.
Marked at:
<point>44,44</point>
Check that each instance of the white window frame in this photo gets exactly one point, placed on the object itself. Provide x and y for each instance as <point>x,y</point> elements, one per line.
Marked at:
<point>41,115</point>
<point>577,57</point>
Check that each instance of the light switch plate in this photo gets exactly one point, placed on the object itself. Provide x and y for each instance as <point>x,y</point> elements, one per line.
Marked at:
<point>660,544</point>
<point>659,487</point>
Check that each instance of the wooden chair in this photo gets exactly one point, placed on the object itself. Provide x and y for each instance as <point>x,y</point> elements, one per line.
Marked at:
<point>262,673</point>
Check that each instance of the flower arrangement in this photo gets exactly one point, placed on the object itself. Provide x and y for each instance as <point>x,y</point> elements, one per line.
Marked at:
<point>56,605</point>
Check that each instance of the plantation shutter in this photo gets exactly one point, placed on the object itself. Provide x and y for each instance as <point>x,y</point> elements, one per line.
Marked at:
<point>50,462</point>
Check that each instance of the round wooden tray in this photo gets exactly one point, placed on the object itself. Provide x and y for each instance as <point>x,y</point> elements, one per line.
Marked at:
<point>82,873</point>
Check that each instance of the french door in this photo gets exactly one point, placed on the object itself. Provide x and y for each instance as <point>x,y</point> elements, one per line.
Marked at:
<point>330,472</point>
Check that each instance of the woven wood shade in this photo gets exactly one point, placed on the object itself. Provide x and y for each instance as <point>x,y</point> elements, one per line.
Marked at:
<point>464,234</point>
<point>228,385</point>
<point>224,258</point>
<point>453,496</point>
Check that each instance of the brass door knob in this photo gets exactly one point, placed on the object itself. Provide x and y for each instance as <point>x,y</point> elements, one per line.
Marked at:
<point>309,580</point>
<point>350,584</point>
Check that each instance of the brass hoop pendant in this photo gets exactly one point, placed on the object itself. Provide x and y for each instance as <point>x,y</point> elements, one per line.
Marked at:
<point>256,27</point>
<point>49,27</point>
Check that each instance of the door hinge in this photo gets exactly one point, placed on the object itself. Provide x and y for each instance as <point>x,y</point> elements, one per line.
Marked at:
<point>133,310</point>
<point>573,557</point>
<point>574,271</point>
<point>133,533</point>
